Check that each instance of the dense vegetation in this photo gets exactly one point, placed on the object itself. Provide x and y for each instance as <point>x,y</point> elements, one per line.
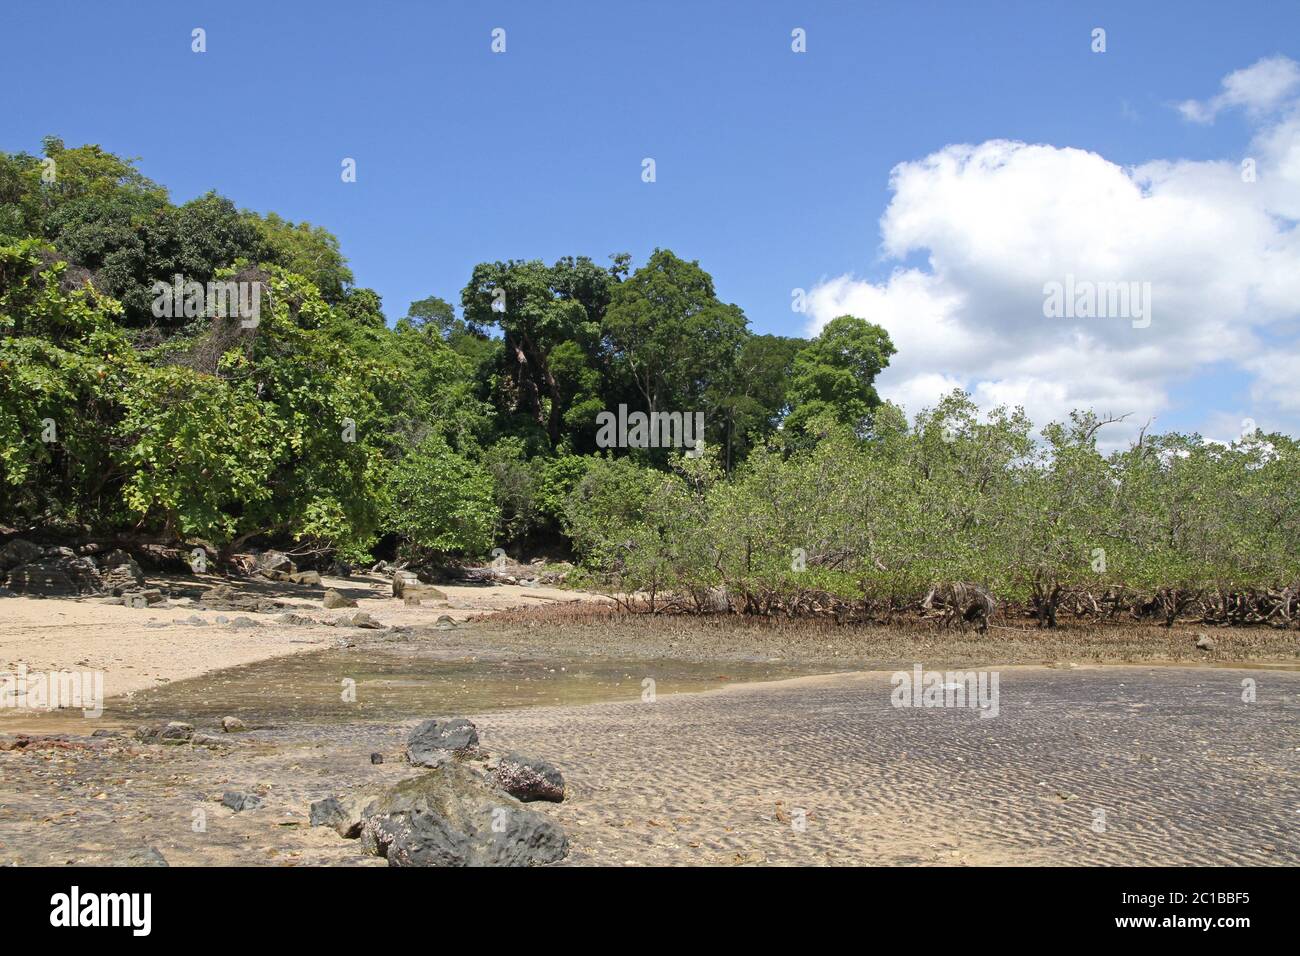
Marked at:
<point>451,432</point>
<point>444,435</point>
<point>863,525</point>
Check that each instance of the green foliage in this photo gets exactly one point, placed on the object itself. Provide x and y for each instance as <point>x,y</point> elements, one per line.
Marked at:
<point>874,520</point>
<point>201,453</point>
<point>673,340</point>
<point>307,250</point>
<point>835,373</point>
<point>550,322</point>
<point>440,502</point>
<point>63,360</point>
<point>444,435</point>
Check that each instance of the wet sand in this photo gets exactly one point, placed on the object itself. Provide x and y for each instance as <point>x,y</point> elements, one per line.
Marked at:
<point>816,770</point>
<point>683,742</point>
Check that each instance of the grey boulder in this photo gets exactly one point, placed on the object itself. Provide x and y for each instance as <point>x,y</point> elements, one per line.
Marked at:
<point>435,742</point>
<point>453,817</point>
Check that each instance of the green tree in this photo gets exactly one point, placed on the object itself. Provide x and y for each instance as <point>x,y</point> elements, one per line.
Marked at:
<point>836,372</point>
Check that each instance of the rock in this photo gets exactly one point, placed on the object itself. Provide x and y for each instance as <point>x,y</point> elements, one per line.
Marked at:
<point>333,599</point>
<point>142,598</point>
<point>45,580</point>
<point>138,856</point>
<point>376,758</point>
<point>402,580</point>
<point>296,619</point>
<point>411,600</point>
<point>120,572</point>
<point>445,622</point>
<point>305,577</point>
<point>453,817</point>
<point>238,801</point>
<point>339,569</point>
<point>358,619</point>
<point>436,741</point>
<point>529,778</point>
<point>232,725</point>
<point>59,572</point>
<point>176,732</point>
<point>276,561</point>
<point>172,732</point>
<point>245,622</point>
<point>207,740</point>
<point>330,812</point>
<point>1204,643</point>
<point>225,598</point>
<point>18,551</point>
<point>407,583</point>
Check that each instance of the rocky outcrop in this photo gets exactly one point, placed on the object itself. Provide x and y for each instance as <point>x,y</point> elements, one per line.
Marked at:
<point>457,813</point>
<point>18,552</point>
<point>58,572</point>
<point>357,619</point>
<point>276,561</point>
<point>120,572</point>
<point>239,801</point>
<point>29,568</point>
<point>172,732</point>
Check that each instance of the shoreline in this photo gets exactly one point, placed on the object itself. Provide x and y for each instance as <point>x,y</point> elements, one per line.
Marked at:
<point>141,649</point>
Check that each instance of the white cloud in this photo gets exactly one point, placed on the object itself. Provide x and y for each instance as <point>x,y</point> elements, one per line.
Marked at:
<point>999,220</point>
<point>1259,88</point>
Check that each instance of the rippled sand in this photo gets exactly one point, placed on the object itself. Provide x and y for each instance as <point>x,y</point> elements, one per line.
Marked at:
<point>819,770</point>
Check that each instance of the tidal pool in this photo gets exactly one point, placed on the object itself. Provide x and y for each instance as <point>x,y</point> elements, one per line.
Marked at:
<point>401,683</point>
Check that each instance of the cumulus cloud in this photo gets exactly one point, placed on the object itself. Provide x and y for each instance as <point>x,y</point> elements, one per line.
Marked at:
<point>1258,88</point>
<point>999,221</point>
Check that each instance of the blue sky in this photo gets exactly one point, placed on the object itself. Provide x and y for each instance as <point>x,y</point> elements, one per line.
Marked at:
<point>773,168</point>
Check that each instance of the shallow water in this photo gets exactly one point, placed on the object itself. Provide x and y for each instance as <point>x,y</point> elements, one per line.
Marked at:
<point>401,683</point>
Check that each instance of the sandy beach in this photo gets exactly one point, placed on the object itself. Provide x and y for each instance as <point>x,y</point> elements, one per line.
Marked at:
<point>136,649</point>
